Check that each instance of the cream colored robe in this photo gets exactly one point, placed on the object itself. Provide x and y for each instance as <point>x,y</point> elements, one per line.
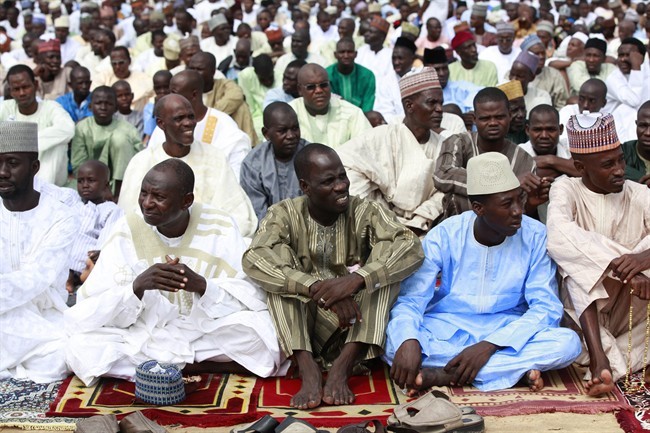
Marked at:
<point>388,165</point>
<point>586,231</point>
<point>216,184</point>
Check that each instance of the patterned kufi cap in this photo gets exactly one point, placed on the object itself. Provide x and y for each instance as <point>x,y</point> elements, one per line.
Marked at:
<point>490,173</point>
<point>530,41</point>
<point>479,10</point>
<point>379,23</point>
<point>159,384</point>
<point>191,41</point>
<point>592,133</point>
<point>418,81</point>
<point>49,45</point>
<point>216,21</point>
<point>505,29</point>
<point>546,26</point>
<point>18,137</point>
<point>528,59</point>
<point>512,89</point>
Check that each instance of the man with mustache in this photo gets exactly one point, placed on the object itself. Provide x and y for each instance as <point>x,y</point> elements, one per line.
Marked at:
<point>494,320</point>
<point>400,172</point>
<point>331,264</point>
<point>216,184</point>
<point>492,112</point>
<point>598,234</point>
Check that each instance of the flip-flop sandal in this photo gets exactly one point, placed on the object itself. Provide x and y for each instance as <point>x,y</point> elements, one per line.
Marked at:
<point>266,424</point>
<point>362,427</point>
<point>433,413</point>
<point>295,425</point>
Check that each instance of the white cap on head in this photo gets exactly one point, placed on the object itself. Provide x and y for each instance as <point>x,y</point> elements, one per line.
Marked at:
<point>490,173</point>
<point>18,137</point>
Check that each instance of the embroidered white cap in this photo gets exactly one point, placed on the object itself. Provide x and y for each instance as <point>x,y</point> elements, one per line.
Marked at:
<point>490,173</point>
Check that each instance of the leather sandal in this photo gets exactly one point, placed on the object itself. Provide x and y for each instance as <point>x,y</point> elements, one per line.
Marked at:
<point>432,413</point>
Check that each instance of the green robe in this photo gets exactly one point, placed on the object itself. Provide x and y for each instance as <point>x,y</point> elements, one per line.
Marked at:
<point>635,166</point>
<point>358,87</point>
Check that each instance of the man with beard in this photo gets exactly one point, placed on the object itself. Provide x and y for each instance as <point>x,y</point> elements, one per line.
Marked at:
<point>400,172</point>
<point>52,79</point>
<point>331,264</point>
<point>494,318</point>
<point>598,234</point>
<point>55,127</point>
<point>36,232</point>
<point>637,152</point>
<point>216,184</point>
<point>517,104</point>
<point>593,65</point>
<point>491,108</point>
<point>324,119</point>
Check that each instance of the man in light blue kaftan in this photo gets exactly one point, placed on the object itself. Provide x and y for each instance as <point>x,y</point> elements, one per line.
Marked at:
<point>495,316</point>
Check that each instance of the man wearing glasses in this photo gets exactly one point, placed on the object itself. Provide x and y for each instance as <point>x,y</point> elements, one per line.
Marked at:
<point>323,119</point>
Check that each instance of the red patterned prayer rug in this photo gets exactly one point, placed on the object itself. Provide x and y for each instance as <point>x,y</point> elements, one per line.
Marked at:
<point>376,396</point>
<point>221,400</point>
<point>233,399</point>
<point>638,419</point>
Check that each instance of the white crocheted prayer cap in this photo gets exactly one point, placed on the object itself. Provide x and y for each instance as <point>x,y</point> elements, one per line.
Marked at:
<point>18,137</point>
<point>490,173</point>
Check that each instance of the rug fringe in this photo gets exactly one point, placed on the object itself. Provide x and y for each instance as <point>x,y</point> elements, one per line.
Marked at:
<point>36,426</point>
<point>628,422</point>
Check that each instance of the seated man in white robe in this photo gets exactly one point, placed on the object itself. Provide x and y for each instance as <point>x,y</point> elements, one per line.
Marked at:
<point>36,232</point>
<point>213,127</point>
<point>394,164</point>
<point>599,235</point>
<point>169,286</point>
<point>495,317</point>
<point>216,183</point>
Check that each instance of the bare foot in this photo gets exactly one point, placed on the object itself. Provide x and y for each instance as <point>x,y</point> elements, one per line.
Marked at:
<point>311,390</point>
<point>600,384</point>
<point>428,378</point>
<point>534,380</point>
<point>336,389</point>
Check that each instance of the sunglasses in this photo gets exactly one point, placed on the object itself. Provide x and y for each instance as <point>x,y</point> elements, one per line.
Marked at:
<point>312,86</point>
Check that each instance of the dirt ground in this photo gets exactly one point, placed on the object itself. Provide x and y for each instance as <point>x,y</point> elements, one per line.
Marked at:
<point>548,422</point>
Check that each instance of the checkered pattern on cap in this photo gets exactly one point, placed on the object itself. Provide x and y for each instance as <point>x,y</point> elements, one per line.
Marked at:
<point>18,137</point>
<point>592,133</point>
<point>418,81</point>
